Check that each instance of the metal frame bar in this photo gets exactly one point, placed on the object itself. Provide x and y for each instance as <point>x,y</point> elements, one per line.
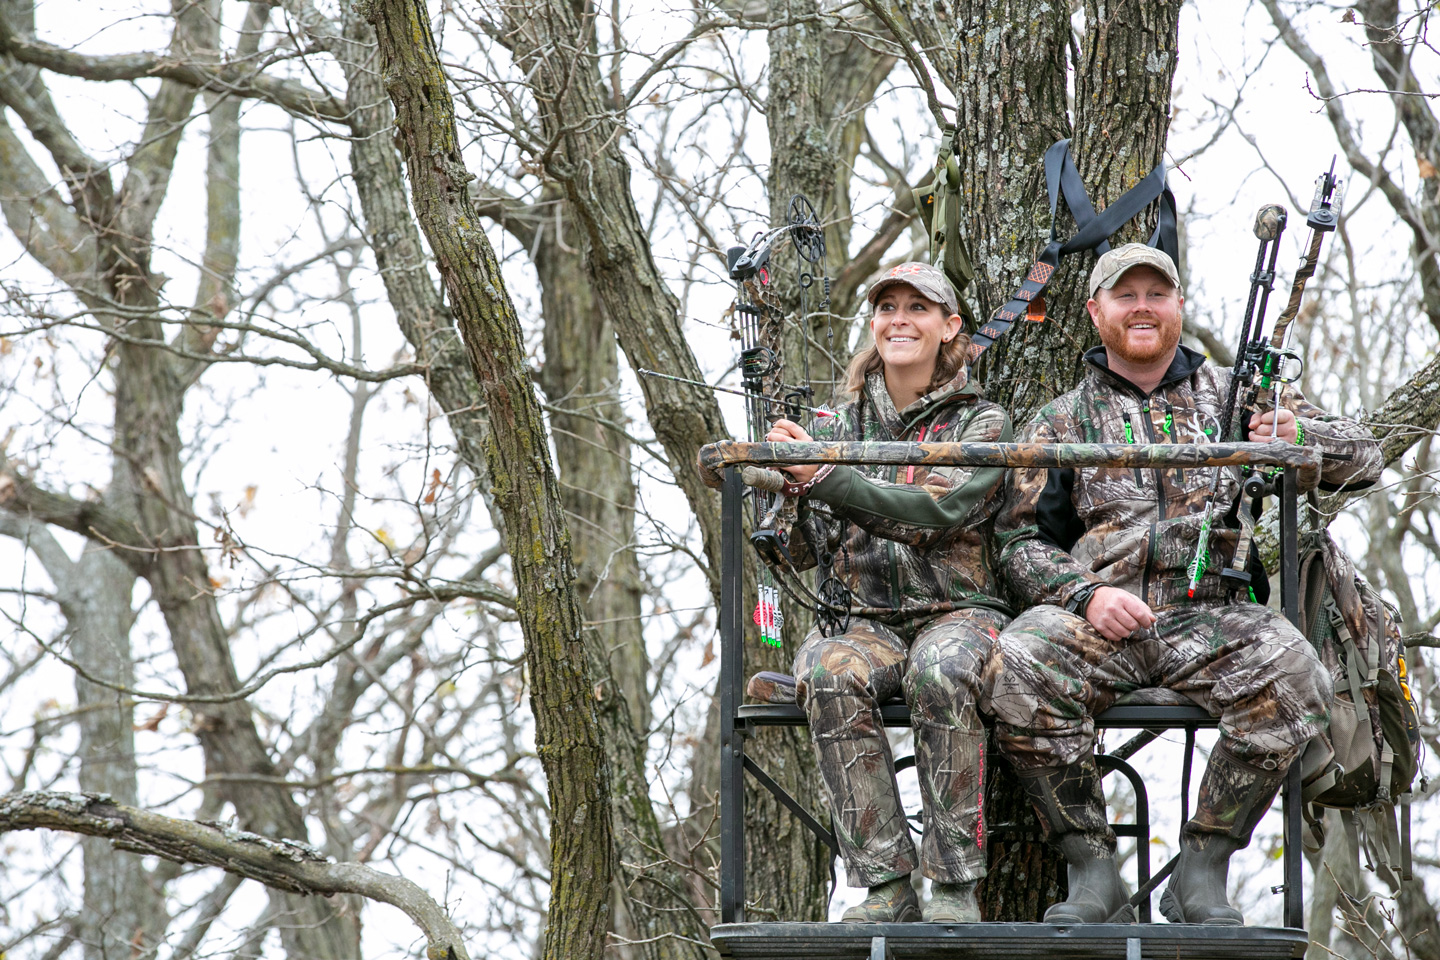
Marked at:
<point>1289,490</point>
<point>1140,829</point>
<point>1186,772</point>
<point>794,806</point>
<point>732,682</point>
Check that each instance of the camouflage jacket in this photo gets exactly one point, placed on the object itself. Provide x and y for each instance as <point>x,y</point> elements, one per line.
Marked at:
<point>913,536</point>
<point>1062,533</point>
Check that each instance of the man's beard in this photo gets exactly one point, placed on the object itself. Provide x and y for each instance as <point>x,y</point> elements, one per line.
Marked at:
<point>1141,357</point>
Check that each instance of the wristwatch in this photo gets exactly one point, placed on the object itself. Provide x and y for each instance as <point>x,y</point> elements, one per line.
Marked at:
<point>1080,599</point>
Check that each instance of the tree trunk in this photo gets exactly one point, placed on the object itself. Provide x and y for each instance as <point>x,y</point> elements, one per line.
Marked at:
<point>537,539</point>
<point>581,374</point>
<point>147,494</point>
<point>123,908</point>
<point>400,257</point>
<point>1010,84</point>
<point>1012,108</point>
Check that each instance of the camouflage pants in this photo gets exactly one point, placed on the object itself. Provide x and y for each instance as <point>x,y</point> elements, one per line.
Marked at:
<point>1244,663</point>
<point>841,681</point>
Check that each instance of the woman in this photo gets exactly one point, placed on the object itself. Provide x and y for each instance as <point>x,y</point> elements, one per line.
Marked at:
<point>914,537</point>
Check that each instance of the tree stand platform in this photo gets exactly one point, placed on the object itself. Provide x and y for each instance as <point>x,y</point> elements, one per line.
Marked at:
<point>1004,941</point>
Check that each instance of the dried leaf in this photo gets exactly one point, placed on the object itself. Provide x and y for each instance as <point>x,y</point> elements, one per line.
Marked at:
<point>1348,16</point>
<point>1427,169</point>
<point>435,484</point>
<point>153,724</point>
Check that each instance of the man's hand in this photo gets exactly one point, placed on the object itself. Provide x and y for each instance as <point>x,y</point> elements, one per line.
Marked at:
<point>1117,613</point>
<point>788,431</point>
<point>1262,429</point>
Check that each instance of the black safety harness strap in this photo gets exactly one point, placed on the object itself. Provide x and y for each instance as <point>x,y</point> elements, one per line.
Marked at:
<point>1092,233</point>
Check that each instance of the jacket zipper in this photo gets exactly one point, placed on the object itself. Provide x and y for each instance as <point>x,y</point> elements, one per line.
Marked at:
<point>1159,506</point>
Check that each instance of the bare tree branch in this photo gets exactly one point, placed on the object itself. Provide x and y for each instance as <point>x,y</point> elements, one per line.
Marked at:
<point>238,79</point>
<point>280,864</point>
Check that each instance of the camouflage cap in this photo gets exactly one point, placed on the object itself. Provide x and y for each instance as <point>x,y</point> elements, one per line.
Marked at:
<point>1113,264</point>
<point>927,278</point>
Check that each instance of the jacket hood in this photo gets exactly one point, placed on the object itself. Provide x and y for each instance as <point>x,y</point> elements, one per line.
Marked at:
<point>1185,363</point>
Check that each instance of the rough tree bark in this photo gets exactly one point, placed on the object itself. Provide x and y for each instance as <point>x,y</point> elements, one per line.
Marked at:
<point>1010,92</point>
<point>657,904</point>
<point>593,458</point>
<point>821,80</point>
<point>537,538</point>
<point>1011,85</point>
<point>1011,95</point>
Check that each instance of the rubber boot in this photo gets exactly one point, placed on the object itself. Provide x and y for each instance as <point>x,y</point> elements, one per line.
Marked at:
<point>893,901</point>
<point>1072,811</point>
<point>952,903</point>
<point>1234,795</point>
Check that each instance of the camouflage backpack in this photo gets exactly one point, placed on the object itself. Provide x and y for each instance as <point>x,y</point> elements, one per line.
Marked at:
<point>1374,727</point>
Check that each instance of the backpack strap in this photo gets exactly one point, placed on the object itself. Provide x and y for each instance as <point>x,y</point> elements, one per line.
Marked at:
<point>938,203</point>
<point>1372,677</point>
<point>1407,871</point>
<point>1372,829</point>
<point>1408,798</point>
<point>1314,840</point>
<point>1093,232</point>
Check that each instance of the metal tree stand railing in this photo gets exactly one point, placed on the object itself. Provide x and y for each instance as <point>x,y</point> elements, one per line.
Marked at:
<point>734,937</point>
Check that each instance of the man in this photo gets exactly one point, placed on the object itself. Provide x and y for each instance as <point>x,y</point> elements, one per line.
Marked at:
<point>1106,553</point>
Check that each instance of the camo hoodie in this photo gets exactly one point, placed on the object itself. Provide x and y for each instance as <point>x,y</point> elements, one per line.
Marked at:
<point>915,535</point>
<point>1063,532</point>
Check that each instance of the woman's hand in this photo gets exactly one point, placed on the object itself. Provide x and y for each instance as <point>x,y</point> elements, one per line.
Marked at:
<point>788,431</point>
